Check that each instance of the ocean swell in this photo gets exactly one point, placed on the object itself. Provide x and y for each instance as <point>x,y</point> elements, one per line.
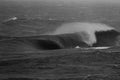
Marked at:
<point>86,31</point>
<point>51,42</point>
<point>61,41</point>
<point>67,36</point>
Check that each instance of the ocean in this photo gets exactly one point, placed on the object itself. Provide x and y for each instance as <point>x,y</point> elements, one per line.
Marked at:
<point>40,41</point>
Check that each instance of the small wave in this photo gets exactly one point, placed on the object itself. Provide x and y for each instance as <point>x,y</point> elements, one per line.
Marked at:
<point>11,19</point>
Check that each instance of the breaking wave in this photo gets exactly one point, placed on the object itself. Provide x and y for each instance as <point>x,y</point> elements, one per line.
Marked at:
<point>85,30</point>
<point>10,19</point>
<point>71,35</point>
<point>63,41</point>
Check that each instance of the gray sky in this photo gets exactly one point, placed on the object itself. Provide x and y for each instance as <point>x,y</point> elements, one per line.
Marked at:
<point>83,1</point>
<point>111,1</point>
<point>77,1</point>
<point>86,0</point>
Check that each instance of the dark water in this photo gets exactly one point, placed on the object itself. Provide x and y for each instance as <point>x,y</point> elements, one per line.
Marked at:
<point>25,54</point>
<point>37,41</point>
<point>28,27</point>
<point>53,42</point>
<point>30,11</point>
<point>28,55</point>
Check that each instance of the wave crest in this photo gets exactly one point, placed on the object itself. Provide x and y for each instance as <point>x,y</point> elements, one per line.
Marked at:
<point>85,30</point>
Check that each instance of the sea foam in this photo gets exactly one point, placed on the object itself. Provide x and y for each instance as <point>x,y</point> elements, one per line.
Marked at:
<point>85,30</point>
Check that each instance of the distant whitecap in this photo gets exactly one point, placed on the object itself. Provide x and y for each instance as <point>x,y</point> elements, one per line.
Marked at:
<point>11,19</point>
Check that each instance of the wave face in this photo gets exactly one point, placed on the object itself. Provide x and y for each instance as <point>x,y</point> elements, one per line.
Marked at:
<point>68,36</point>
<point>51,42</point>
<point>67,41</point>
<point>107,38</point>
<point>85,30</point>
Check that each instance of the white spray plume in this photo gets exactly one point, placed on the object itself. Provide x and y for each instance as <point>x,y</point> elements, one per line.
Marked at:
<point>84,29</point>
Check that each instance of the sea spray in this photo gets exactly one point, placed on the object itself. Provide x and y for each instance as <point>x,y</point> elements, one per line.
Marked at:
<point>85,30</point>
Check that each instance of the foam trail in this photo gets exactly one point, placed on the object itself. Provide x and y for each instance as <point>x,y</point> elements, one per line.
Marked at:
<point>94,47</point>
<point>11,19</point>
<point>85,30</point>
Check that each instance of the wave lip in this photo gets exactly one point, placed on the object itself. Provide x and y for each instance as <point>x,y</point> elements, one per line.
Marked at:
<point>85,30</point>
<point>105,40</point>
<point>69,35</point>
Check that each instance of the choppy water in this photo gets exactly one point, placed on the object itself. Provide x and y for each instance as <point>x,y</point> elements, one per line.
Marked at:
<point>26,54</point>
<point>52,35</point>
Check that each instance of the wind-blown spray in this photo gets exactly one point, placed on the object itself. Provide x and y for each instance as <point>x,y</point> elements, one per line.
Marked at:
<point>85,30</point>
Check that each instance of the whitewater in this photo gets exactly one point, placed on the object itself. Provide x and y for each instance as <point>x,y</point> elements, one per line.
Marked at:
<point>85,30</point>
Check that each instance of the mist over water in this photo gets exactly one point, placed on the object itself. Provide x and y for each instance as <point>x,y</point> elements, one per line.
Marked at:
<point>86,31</point>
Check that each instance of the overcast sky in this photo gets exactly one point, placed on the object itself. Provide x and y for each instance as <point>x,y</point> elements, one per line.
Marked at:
<point>83,1</point>
<point>74,1</point>
<point>112,1</point>
<point>86,0</point>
